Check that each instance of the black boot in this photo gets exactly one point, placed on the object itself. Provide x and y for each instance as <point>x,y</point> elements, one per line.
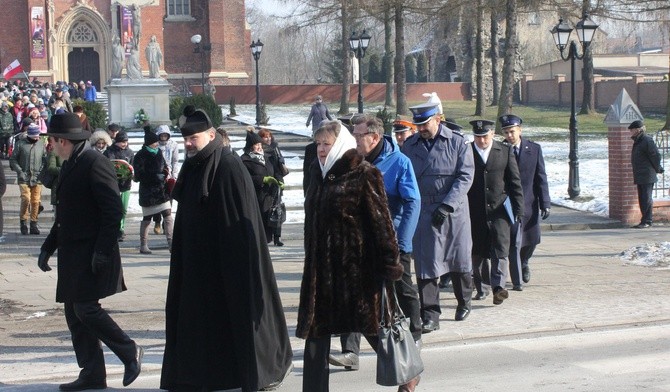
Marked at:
<point>33,228</point>
<point>24,227</point>
<point>278,241</point>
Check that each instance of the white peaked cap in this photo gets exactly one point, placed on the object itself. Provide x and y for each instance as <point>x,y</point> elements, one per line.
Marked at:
<point>433,98</point>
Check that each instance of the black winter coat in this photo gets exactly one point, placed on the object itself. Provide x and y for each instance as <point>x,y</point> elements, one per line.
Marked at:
<point>350,248</point>
<point>88,213</point>
<point>645,159</point>
<point>266,194</point>
<point>150,172</point>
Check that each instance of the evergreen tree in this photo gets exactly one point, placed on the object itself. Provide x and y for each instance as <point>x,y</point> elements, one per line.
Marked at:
<point>410,69</point>
<point>421,67</point>
<point>333,65</point>
<point>374,70</point>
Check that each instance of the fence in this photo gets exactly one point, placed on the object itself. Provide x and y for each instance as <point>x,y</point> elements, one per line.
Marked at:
<point>662,187</point>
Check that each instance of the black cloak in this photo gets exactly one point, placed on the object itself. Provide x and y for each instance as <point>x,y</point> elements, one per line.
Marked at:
<point>225,325</point>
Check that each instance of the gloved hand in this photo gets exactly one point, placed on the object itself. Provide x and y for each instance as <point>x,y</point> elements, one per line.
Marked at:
<point>661,171</point>
<point>545,213</point>
<point>21,177</point>
<point>270,180</point>
<point>43,261</point>
<point>100,261</point>
<point>281,185</point>
<point>160,177</point>
<point>439,215</point>
<point>307,124</point>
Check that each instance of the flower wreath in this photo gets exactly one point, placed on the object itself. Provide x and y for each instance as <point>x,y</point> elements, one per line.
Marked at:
<point>141,117</point>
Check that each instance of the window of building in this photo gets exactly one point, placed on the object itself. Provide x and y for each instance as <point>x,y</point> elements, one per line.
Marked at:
<point>178,8</point>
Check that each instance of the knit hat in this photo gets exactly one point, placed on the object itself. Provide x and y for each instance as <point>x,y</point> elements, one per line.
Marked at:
<point>252,138</point>
<point>122,136</point>
<point>194,121</point>
<point>149,137</point>
<point>33,131</point>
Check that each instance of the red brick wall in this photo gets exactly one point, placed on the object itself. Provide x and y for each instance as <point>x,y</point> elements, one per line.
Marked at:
<point>14,34</point>
<point>372,92</point>
<point>623,204</point>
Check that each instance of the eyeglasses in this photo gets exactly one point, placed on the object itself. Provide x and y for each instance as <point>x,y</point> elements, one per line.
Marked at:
<point>361,135</point>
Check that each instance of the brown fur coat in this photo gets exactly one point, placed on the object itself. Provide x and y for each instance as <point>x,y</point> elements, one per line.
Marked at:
<point>350,247</point>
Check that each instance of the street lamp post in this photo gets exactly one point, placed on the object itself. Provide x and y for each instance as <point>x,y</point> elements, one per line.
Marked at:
<point>256,49</point>
<point>586,29</point>
<point>358,45</point>
<point>196,39</point>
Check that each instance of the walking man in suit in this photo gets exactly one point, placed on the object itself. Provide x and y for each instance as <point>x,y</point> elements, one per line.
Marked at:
<point>496,179</point>
<point>536,201</point>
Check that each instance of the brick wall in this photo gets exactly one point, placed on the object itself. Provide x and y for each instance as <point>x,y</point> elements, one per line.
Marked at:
<point>623,204</point>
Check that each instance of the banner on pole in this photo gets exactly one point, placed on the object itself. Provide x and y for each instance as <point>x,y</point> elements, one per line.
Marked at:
<point>37,48</point>
<point>12,69</point>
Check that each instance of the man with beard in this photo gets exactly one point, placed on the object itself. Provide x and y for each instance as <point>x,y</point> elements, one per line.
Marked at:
<point>225,326</point>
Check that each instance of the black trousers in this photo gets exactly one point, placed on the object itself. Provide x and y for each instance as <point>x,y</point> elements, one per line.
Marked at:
<point>429,294</point>
<point>518,255</point>
<point>493,276</point>
<point>316,372</point>
<point>408,299</point>
<point>644,198</point>
<point>89,324</point>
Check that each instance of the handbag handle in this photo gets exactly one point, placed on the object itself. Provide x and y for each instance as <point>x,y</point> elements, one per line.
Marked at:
<point>385,301</point>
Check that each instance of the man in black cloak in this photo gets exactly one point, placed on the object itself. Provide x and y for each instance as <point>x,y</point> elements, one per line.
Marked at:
<point>225,325</point>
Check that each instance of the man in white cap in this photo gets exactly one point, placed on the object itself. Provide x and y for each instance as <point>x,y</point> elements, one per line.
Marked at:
<point>442,243</point>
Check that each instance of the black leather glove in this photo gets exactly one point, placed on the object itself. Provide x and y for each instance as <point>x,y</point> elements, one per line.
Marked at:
<point>439,215</point>
<point>43,261</point>
<point>661,171</point>
<point>100,262</point>
<point>545,213</point>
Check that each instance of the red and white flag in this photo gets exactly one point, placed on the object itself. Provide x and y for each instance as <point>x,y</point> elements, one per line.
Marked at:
<point>12,69</point>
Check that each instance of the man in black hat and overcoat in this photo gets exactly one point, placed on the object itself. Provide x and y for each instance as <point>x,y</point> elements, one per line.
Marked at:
<point>225,325</point>
<point>89,263</point>
<point>496,180</point>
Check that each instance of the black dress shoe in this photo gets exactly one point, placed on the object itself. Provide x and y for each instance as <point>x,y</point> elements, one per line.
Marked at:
<point>134,368</point>
<point>275,385</point>
<point>481,296</point>
<point>82,385</point>
<point>430,326</point>
<point>525,274</point>
<point>642,225</point>
<point>499,295</point>
<point>462,314</point>
<point>517,287</point>
<point>349,360</point>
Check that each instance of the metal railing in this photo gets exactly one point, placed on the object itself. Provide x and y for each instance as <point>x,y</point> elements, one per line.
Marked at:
<point>662,187</point>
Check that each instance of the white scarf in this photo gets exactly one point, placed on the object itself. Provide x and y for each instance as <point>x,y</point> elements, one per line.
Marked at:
<point>344,142</point>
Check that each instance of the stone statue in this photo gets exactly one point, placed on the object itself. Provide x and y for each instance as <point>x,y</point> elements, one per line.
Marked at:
<point>118,56</point>
<point>137,24</point>
<point>210,89</point>
<point>133,69</point>
<point>154,57</point>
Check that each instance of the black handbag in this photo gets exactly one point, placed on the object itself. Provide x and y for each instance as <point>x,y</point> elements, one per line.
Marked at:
<point>398,359</point>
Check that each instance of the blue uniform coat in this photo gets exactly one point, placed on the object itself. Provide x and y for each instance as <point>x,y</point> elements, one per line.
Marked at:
<point>535,190</point>
<point>444,175</point>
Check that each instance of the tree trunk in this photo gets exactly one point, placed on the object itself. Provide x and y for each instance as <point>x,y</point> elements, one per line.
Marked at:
<point>401,84</point>
<point>346,62</point>
<point>507,89</point>
<point>588,102</point>
<point>479,60</point>
<point>495,76</point>
<point>388,56</point>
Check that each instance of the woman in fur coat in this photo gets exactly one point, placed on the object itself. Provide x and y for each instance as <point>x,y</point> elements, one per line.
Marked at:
<point>350,248</point>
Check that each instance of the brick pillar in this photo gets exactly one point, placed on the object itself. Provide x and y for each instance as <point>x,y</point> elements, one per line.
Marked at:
<point>623,205</point>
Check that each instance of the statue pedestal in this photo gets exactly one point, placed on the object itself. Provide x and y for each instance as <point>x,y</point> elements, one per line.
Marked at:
<point>127,96</point>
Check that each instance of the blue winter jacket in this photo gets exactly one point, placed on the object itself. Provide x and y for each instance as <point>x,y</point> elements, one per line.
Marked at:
<point>402,191</point>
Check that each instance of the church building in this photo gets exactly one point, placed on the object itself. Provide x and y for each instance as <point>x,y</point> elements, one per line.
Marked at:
<point>73,40</point>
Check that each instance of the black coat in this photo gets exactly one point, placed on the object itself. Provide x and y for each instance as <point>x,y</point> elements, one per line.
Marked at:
<point>308,160</point>
<point>493,182</point>
<point>535,189</point>
<point>88,213</point>
<point>150,171</point>
<point>225,325</point>
<point>267,194</point>
<point>645,159</point>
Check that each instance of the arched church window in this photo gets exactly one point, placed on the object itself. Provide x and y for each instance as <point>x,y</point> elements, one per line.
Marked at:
<point>82,32</point>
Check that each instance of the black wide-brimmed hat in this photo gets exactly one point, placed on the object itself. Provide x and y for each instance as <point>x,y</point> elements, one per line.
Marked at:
<point>67,126</point>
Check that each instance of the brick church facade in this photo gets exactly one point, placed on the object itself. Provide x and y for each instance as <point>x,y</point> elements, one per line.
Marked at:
<point>71,40</point>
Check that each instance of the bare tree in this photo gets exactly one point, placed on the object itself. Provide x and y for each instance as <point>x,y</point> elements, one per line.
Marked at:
<point>479,60</point>
<point>511,42</point>
<point>399,64</point>
<point>494,55</point>
<point>346,55</point>
<point>389,99</point>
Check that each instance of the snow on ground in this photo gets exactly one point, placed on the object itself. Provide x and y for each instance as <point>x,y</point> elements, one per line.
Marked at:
<point>648,255</point>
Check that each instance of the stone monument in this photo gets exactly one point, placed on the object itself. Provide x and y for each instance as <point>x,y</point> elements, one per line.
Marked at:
<point>127,95</point>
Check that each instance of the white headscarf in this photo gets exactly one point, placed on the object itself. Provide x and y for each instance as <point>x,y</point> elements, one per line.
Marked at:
<point>344,142</point>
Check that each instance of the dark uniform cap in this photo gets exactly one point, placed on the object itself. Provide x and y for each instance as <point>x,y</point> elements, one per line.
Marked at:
<point>402,126</point>
<point>451,123</point>
<point>67,126</point>
<point>636,124</point>
<point>424,112</point>
<point>194,121</point>
<point>482,127</point>
<point>510,120</point>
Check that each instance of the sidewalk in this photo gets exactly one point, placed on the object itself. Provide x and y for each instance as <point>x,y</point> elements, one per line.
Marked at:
<point>578,283</point>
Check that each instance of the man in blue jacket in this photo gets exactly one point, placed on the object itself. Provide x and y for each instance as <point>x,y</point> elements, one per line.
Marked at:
<point>404,203</point>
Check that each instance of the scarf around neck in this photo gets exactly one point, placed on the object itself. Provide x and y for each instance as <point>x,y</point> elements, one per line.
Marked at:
<point>344,142</point>
<point>257,157</point>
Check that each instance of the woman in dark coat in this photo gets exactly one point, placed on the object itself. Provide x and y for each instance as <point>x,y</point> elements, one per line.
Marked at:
<point>150,171</point>
<point>266,182</point>
<point>350,249</point>
<point>276,159</point>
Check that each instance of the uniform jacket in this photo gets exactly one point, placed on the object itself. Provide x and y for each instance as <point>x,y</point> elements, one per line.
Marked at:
<point>318,113</point>
<point>116,152</point>
<point>444,175</point>
<point>88,213</point>
<point>494,182</point>
<point>28,160</point>
<point>150,171</point>
<point>350,247</point>
<point>645,159</point>
<point>224,321</point>
<point>535,189</point>
<point>402,191</point>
